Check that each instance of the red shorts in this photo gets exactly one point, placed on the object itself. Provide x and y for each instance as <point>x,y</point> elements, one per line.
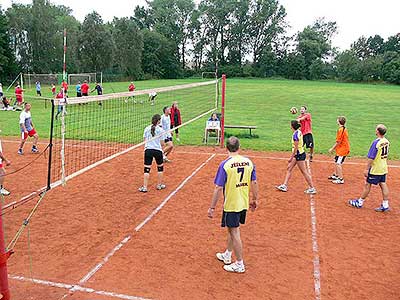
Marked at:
<point>1,165</point>
<point>30,133</point>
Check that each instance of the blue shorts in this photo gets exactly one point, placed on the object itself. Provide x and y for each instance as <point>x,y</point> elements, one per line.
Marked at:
<point>376,179</point>
<point>233,219</point>
<point>300,157</point>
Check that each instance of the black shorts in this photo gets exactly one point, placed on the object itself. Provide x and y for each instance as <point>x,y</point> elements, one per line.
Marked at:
<point>300,157</point>
<point>308,140</point>
<point>233,219</point>
<point>79,94</point>
<point>376,179</point>
<point>339,160</point>
<point>168,140</point>
<point>176,130</point>
<point>84,94</point>
<point>149,154</point>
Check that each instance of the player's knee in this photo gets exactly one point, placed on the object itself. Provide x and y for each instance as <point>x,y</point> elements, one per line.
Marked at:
<point>160,169</point>
<point>147,170</point>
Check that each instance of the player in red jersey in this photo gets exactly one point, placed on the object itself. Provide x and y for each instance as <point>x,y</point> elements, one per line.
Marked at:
<point>19,95</point>
<point>85,89</point>
<point>306,129</point>
<point>64,85</point>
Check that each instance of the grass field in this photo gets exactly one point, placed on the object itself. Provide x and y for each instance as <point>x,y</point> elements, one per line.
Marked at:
<point>266,104</point>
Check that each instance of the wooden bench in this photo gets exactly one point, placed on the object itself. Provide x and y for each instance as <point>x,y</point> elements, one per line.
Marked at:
<point>241,127</point>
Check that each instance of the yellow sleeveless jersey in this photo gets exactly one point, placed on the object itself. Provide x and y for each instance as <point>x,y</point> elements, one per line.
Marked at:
<point>235,175</point>
<point>379,152</point>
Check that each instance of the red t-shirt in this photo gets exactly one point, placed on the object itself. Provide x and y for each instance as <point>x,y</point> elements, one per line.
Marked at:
<point>84,88</point>
<point>18,93</point>
<point>131,87</point>
<point>53,89</point>
<point>305,123</point>
<point>65,86</point>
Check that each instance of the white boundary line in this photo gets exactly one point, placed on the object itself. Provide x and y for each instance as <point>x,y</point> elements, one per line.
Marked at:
<point>140,226</point>
<point>279,158</point>
<point>314,238</point>
<point>76,288</point>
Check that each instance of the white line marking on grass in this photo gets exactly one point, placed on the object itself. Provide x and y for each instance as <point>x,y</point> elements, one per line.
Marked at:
<point>76,288</point>
<point>140,226</point>
<point>314,238</point>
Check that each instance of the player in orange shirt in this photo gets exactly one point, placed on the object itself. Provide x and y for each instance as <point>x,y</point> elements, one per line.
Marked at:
<point>342,147</point>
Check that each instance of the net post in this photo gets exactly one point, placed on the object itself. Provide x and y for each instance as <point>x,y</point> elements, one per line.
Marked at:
<point>223,90</point>
<point>4,255</point>
<point>50,146</point>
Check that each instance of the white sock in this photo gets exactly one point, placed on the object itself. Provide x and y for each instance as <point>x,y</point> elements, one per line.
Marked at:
<point>240,262</point>
<point>361,201</point>
<point>385,203</point>
<point>227,253</point>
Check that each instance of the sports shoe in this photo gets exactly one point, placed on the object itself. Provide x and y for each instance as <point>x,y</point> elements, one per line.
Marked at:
<point>20,152</point>
<point>355,203</point>
<point>311,157</point>
<point>223,258</point>
<point>338,181</point>
<point>142,189</point>
<point>167,160</point>
<point>311,191</point>
<point>235,268</point>
<point>34,150</point>
<point>4,192</point>
<point>333,177</point>
<point>282,188</point>
<point>382,209</point>
<point>161,186</point>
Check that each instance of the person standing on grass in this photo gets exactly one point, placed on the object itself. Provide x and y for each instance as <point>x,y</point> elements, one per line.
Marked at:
<point>1,90</point>
<point>19,95</point>
<point>166,126</point>
<point>153,150</point>
<point>64,85</point>
<point>99,90</point>
<point>306,129</point>
<point>3,162</point>
<point>235,177</point>
<point>62,101</point>
<point>38,88</point>
<point>298,158</point>
<point>53,90</point>
<point>78,89</point>
<point>27,129</point>
<point>176,119</point>
<point>85,89</point>
<point>131,87</point>
<point>376,170</point>
<point>342,147</point>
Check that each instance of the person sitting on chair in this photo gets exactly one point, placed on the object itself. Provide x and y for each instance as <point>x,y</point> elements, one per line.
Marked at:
<point>213,125</point>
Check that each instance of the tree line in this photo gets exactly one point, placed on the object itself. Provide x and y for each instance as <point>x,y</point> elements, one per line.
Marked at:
<point>177,38</point>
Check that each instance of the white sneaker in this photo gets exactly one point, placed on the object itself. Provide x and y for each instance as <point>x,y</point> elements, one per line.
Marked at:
<point>310,191</point>
<point>338,181</point>
<point>223,258</point>
<point>161,186</point>
<point>235,268</point>
<point>282,188</point>
<point>4,192</point>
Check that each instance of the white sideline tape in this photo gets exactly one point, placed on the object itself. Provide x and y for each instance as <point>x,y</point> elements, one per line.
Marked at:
<point>314,238</point>
<point>140,226</point>
<point>77,288</point>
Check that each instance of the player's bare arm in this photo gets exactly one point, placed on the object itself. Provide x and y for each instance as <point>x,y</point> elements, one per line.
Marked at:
<point>369,164</point>
<point>215,197</point>
<point>254,190</point>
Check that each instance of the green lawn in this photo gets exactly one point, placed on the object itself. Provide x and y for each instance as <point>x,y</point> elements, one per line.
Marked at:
<point>266,104</point>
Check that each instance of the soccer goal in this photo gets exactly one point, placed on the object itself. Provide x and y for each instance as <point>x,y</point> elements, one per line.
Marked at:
<point>89,77</point>
<point>30,79</point>
<point>205,75</point>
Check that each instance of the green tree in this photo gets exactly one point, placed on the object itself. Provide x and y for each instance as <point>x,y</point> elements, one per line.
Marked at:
<point>7,59</point>
<point>391,67</point>
<point>96,44</point>
<point>128,42</point>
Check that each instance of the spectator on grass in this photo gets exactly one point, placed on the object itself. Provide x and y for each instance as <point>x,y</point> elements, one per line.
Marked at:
<point>175,118</point>
<point>99,90</point>
<point>19,95</point>
<point>6,103</point>
<point>38,89</point>
<point>1,90</point>
<point>78,89</point>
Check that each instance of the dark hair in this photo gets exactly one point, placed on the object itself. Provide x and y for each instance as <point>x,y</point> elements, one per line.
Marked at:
<point>305,107</point>
<point>342,120</point>
<point>295,124</point>
<point>154,121</point>
<point>381,129</point>
<point>164,109</point>
<point>233,144</point>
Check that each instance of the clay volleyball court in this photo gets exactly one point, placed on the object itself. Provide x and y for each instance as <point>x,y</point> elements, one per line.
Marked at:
<point>98,238</point>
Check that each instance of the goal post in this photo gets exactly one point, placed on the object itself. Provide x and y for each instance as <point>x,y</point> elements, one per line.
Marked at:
<point>92,77</point>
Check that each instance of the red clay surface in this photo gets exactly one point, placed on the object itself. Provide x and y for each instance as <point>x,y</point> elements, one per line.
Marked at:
<point>173,255</point>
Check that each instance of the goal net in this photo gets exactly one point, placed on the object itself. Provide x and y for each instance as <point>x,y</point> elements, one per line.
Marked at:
<point>209,75</point>
<point>29,79</point>
<point>94,129</point>
<point>81,77</point>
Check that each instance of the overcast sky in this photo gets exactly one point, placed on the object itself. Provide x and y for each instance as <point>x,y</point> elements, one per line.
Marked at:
<point>354,17</point>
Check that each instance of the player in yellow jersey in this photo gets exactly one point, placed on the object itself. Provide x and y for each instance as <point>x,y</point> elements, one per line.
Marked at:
<point>376,170</point>
<point>298,158</point>
<point>235,177</point>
